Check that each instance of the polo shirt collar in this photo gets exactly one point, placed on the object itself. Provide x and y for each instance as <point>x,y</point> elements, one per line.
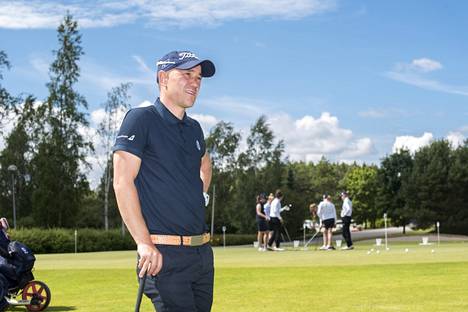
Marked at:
<point>167,115</point>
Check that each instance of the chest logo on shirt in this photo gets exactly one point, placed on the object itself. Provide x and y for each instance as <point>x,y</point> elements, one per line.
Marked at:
<point>198,145</point>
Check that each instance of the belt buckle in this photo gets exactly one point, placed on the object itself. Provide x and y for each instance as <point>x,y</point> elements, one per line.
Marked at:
<point>196,240</point>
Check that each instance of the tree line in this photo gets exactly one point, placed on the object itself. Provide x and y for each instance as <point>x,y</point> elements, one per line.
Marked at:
<point>50,154</point>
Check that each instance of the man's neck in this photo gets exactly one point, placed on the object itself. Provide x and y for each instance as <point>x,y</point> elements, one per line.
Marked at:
<point>176,110</point>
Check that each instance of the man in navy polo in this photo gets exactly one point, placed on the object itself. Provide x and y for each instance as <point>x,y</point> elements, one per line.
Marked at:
<point>161,175</point>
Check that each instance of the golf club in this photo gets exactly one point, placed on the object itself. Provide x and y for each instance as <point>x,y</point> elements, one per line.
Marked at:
<point>312,238</point>
<point>141,287</point>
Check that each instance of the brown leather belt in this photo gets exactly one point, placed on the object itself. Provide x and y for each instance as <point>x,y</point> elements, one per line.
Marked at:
<point>177,240</point>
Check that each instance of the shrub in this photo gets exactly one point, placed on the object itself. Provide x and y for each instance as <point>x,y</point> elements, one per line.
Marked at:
<point>63,240</point>
<point>60,240</point>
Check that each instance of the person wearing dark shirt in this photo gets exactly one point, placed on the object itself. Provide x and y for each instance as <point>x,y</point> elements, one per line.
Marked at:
<point>262,219</point>
<point>161,175</point>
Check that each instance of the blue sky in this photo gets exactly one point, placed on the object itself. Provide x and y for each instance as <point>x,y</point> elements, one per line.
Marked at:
<point>350,80</point>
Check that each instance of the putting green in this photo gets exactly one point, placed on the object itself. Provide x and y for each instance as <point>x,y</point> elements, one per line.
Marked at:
<point>293,280</point>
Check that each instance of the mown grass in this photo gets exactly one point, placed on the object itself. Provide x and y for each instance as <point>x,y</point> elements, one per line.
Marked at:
<point>294,280</point>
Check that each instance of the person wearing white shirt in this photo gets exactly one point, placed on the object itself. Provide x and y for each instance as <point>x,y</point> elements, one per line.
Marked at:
<point>266,208</point>
<point>275,222</point>
<point>327,213</point>
<point>346,213</point>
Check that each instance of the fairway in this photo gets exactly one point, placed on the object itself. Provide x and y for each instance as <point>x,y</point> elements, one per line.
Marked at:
<point>293,280</point>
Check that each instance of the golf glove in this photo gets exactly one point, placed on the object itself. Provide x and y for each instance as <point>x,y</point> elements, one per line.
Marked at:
<point>207,198</point>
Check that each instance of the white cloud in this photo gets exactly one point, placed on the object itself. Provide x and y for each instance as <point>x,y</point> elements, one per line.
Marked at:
<point>414,74</point>
<point>456,139</point>
<point>242,107</point>
<point>104,79</point>
<point>98,115</point>
<point>40,65</point>
<point>97,161</point>
<point>309,138</point>
<point>426,64</point>
<point>143,67</point>
<point>48,14</point>
<point>145,103</point>
<point>43,14</point>
<point>206,122</point>
<point>372,113</point>
<point>412,143</point>
<point>9,122</point>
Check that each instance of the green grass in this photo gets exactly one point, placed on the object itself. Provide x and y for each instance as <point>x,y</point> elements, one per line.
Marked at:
<point>294,280</point>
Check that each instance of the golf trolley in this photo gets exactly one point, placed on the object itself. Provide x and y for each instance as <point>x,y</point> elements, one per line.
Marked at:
<point>34,295</point>
<point>17,284</point>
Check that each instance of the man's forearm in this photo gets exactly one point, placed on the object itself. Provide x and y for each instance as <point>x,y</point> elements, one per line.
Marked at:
<point>130,210</point>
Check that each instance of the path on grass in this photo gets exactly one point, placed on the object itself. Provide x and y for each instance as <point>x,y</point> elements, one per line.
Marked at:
<point>396,234</point>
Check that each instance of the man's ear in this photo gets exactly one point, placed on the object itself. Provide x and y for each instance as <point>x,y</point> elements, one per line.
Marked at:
<point>162,78</point>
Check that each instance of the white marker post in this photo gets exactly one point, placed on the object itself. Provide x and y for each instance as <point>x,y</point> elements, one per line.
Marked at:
<point>438,234</point>
<point>224,236</point>
<point>385,221</point>
<point>76,241</point>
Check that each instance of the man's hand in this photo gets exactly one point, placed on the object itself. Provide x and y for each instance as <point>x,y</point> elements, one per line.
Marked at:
<point>207,198</point>
<point>150,261</point>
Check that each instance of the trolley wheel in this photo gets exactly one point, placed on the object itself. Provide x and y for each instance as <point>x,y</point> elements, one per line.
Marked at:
<point>38,293</point>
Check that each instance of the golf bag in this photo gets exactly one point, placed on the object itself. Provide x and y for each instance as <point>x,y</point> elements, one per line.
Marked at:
<point>16,264</point>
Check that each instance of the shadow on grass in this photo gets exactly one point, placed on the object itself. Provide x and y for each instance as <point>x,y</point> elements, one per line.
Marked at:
<point>54,308</point>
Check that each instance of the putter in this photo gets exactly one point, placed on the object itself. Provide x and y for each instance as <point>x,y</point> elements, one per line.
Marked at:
<point>141,287</point>
<point>312,238</point>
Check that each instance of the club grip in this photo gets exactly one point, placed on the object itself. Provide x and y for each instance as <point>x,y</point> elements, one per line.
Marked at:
<point>141,287</point>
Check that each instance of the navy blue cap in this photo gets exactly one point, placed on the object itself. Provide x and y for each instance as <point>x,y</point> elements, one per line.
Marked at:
<point>185,60</point>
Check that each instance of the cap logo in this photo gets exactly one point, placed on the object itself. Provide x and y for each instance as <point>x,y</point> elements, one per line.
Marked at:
<point>185,55</point>
<point>164,63</point>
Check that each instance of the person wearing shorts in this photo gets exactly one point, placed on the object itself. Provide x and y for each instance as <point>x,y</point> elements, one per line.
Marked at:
<point>327,213</point>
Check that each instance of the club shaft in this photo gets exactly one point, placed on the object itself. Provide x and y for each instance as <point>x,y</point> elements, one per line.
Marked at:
<point>141,287</point>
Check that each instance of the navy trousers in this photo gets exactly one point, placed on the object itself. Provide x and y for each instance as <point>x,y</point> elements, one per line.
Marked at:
<point>346,231</point>
<point>185,282</point>
<point>275,226</point>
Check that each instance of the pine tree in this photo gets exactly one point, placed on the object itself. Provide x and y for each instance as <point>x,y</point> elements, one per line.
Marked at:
<point>60,185</point>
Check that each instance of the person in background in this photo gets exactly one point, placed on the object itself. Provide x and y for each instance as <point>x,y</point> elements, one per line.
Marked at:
<point>275,222</point>
<point>262,225</point>
<point>267,208</point>
<point>313,213</point>
<point>327,213</point>
<point>346,212</point>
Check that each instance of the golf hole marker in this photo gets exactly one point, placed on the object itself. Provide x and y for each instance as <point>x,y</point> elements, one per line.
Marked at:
<point>425,241</point>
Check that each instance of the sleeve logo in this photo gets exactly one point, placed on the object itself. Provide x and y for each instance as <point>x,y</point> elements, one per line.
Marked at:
<point>130,138</point>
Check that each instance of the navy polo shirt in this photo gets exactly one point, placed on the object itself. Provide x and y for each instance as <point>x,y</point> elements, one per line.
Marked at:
<point>169,185</point>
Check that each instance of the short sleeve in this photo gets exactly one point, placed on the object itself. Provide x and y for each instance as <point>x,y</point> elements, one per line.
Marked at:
<point>133,133</point>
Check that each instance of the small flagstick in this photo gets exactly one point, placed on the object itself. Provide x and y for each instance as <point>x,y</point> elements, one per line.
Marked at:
<point>385,221</point>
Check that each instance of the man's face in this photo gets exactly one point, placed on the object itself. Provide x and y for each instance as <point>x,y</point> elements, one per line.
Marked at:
<point>182,86</point>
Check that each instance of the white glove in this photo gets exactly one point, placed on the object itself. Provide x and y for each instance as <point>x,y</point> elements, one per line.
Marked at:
<point>207,198</point>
